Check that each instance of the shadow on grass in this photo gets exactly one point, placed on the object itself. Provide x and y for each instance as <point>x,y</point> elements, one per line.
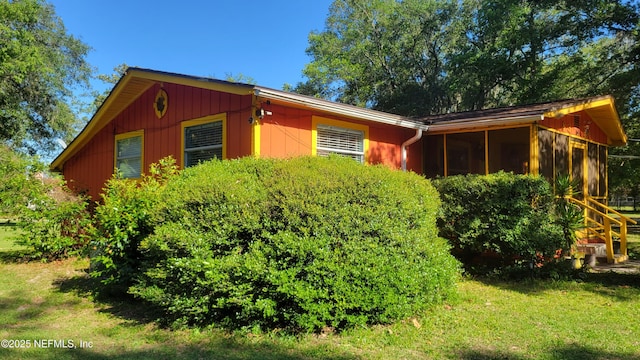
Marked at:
<point>15,256</point>
<point>565,352</point>
<point>226,349</point>
<point>17,306</point>
<point>621,286</point>
<point>10,252</point>
<point>116,303</point>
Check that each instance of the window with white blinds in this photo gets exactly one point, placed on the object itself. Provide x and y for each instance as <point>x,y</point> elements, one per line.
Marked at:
<point>202,142</point>
<point>129,155</point>
<point>337,140</point>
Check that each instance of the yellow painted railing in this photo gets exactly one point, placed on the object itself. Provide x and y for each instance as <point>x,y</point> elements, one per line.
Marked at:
<point>603,228</point>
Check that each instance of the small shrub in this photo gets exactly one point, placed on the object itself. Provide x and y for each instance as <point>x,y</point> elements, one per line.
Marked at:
<point>499,219</point>
<point>122,220</point>
<point>56,222</point>
<point>300,244</point>
<point>19,184</point>
<point>569,216</point>
<point>53,220</point>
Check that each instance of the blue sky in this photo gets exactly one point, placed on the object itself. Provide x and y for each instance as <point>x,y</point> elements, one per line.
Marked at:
<point>264,40</point>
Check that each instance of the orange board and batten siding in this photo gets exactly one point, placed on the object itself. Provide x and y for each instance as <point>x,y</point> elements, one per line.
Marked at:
<point>286,132</point>
<point>289,132</point>
<point>162,137</point>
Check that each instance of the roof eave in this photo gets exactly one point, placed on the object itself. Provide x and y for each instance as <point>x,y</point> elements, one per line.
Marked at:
<point>473,123</point>
<point>94,125</point>
<point>602,111</point>
<point>350,111</point>
<point>109,109</point>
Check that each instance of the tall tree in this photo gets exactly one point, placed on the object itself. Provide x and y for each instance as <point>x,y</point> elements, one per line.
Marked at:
<point>374,52</point>
<point>39,65</point>
<point>419,57</point>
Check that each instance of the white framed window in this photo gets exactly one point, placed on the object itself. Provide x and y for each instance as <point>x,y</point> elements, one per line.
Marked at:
<point>129,156</point>
<point>342,138</point>
<point>203,139</point>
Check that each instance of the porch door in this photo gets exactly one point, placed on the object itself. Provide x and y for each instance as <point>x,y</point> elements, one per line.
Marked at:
<point>579,168</point>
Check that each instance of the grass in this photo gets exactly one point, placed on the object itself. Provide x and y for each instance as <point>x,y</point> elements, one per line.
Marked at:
<point>622,209</point>
<point>592,319</point>
<point>633,246</point>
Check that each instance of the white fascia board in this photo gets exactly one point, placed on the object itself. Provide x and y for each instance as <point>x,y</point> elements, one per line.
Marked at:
<point>339,109</point>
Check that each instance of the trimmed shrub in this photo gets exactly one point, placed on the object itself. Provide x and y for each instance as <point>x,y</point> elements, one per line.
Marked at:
<point>299,244</point>
<point>505,216</point>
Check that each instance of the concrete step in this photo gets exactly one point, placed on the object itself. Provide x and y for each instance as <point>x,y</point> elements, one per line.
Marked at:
<point>600,252</point>
<point>597,249</point>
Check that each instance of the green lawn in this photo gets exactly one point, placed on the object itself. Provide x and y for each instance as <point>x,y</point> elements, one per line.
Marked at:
<point>49,304</point>
<point>8,249</point>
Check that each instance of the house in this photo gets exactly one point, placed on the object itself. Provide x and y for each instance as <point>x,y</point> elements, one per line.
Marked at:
<point>152,114</point>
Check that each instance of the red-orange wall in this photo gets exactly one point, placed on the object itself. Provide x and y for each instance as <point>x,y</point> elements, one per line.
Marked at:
<point>88,169</point>
<point>586,127</point>
<point>285,133</point>
<point>288,132</point>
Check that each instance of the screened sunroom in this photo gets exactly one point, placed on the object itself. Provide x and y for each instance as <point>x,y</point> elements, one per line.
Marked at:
<point>551,139</point>
<point>566,137</point>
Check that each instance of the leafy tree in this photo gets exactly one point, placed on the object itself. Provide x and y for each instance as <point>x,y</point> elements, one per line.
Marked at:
<point>374,52</point>
<point>239,78</point>
<point>531,51</point>
<point>421,57</point>
<point>53,221</point>
<point>417,57</point>
<point>39,64</point>
<point>19,183</point>
<point>110,80</point>
<point>624,166</point>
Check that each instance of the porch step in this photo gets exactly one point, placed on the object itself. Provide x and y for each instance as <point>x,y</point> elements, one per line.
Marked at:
<point>597,249</point>
<point>619,259</point>
<point>600,252</point>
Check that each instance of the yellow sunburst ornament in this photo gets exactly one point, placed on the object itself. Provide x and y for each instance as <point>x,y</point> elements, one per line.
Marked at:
<point>161,103</point>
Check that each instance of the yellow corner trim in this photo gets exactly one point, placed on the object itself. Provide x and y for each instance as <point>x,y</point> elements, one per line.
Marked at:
<point>534,151</point>
<point>255,139</point>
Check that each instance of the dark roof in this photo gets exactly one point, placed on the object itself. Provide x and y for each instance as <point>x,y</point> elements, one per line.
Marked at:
<point>600,109</point>
<point>511,111</point>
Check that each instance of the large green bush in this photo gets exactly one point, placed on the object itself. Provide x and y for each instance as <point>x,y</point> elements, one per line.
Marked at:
<point>300,244</point>
<point>503,216</point>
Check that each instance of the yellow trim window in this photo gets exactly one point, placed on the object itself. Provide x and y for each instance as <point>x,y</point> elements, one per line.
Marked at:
<point>203,139</point>
<point>339,137</point>
<point>129,154</point>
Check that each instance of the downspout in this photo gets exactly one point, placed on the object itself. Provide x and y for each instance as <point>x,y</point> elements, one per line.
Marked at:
<point>414,139</point>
